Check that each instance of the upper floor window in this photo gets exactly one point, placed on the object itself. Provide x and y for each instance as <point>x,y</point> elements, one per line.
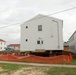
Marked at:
<point>39,27</point>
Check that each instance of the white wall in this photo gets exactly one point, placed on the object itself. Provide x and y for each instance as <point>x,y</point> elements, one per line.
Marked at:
<point>17,48</point>
<point>2,46</point>
<point>72,43</point>
<point>14,47</point>
<point>49,28</point>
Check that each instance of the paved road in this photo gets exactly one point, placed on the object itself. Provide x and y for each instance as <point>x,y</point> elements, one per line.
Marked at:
<point>37,64</point>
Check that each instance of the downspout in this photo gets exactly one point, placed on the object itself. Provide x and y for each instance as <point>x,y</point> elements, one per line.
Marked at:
<point>58,33</point>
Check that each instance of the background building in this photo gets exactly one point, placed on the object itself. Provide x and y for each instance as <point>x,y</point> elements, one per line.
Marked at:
<point>2,45</point>
<point>44,33</point>
<point>66,46</point>
<point>13,46</point>
<point>72,43</point>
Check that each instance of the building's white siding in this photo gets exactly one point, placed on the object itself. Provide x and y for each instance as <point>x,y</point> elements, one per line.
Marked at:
<point>51,34</point>
<point>15,48</point>
<point>2,46</point>
<point>72,43</point>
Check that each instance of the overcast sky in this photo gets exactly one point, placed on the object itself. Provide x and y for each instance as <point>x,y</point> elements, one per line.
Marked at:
<point>18,11</point>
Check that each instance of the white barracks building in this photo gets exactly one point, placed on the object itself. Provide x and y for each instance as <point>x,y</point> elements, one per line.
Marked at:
<point>2,45</point>
<point>42,32</point>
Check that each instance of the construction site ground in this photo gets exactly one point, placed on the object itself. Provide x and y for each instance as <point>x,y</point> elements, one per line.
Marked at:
<point>20,68</point>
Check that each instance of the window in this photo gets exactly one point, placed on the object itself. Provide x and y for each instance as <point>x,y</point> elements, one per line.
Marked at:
<point>14,48</point>
<point>39,27</point>
<point>26,26</point>
<point>4,43</point>
<point>18,47</point>
<point>38,42</point>
<point>26,40</point>
<point>1,43</point>
<point>42,42</point>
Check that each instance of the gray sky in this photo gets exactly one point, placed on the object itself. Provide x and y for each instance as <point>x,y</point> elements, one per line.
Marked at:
<point>17,11</point>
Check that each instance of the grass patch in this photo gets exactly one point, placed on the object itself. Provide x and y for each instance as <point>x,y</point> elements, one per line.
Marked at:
<point>9,67</point>
<point>61,71</point>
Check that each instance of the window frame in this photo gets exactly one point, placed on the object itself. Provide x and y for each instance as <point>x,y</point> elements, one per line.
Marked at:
<point>38,42</point>
<point>39,27</point>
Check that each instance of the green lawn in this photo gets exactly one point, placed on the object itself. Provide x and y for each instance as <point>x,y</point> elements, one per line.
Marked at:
<point>61,71</point>
<point>11,68</point>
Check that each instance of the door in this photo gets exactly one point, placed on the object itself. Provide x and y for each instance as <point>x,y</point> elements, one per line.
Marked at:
<point>40,43</point>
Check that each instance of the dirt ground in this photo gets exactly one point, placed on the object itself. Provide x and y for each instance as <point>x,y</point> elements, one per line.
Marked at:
<point>28,71</point>
<point>1,69</point>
